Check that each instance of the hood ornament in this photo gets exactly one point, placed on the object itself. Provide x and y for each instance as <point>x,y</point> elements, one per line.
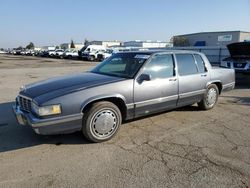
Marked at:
<point>22,88</point>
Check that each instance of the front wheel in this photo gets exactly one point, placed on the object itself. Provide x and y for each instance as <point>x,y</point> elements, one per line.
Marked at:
<point>210,97</point>
<point>101,122</point>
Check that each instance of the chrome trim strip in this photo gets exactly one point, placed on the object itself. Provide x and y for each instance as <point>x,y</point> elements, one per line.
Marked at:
<point>228,85</point>
<point>130,106</point>
<point>25,97</point>
<point>192,93</point>
<point>156,101</point>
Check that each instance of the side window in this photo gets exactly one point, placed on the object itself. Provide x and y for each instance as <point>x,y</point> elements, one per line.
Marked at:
<point>186,64</point>
<point>160,66</point>
<point>200,63</point>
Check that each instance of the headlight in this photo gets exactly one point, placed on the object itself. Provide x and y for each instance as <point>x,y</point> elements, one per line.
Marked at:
<point>46,110</point>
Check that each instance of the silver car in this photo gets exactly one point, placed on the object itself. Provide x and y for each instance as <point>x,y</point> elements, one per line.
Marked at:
<point>125,86</point>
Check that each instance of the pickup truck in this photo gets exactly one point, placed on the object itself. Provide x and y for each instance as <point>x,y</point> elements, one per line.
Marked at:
<point>125,86</point>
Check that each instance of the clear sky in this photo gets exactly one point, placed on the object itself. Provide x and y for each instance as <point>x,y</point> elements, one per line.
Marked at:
<point>49,22</point>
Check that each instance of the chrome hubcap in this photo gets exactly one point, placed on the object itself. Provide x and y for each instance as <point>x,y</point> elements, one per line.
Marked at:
<point>104,123</point>
<point>211,97</point>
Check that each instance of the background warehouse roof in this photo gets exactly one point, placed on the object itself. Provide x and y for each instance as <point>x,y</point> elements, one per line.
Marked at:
<point>215,38</point>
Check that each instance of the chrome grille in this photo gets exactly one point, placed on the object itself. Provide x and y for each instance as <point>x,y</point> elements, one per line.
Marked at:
<point>24,103</point>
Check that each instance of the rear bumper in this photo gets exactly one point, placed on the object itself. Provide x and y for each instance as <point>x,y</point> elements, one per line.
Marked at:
<point>49,126</point>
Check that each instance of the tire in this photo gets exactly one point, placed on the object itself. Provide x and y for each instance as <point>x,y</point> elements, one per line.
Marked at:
<point>91,58</point>
<point>101,121</point>
<point>210,98</point>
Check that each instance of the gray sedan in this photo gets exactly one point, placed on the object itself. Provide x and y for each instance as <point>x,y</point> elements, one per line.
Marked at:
<point>125,86</point>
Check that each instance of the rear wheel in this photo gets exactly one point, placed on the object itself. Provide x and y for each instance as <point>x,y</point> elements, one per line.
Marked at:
<point>210,97</point>
<point>101,122</point>
<point>91,58</point>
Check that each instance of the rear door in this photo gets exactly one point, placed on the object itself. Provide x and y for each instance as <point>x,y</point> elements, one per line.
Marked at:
<point>161,91</point>
<point>193,77</point>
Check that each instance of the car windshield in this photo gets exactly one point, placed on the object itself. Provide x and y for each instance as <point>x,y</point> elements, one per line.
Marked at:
<point>83,48</point>
<point>124,65</point>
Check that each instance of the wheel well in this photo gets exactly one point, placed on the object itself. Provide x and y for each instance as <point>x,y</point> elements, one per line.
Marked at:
<point>219,85</point>
<point>115,100</point>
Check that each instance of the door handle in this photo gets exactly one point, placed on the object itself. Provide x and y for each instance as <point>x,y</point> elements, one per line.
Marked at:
<point>172,79</point>
<point>203,75</point>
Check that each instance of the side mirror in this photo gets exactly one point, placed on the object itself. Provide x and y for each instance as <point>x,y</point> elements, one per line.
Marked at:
<point>144,77</point>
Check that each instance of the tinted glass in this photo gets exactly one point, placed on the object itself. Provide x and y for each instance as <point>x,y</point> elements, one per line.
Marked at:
<point>122,64</point>
<point>160,66</point>
<point>186,64</point>
<point>200,63</point>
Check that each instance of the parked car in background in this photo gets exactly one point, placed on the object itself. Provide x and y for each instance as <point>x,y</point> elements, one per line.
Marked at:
<point>43,53</point>
<point>120,88</point>
<point>16,52</point>
<point>239,57</point>
<point>90,52</point>
<point>2,52</point>
<point>59,53</point>
<point>30,52</point>
<point>104,54</point>
<point>52,53</point>
<point>70,54</point>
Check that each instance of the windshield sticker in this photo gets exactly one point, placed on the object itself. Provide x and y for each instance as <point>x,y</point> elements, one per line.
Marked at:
<point>142,56</point>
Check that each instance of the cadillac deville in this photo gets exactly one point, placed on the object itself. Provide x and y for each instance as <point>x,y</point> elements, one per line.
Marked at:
<point>125,86</point>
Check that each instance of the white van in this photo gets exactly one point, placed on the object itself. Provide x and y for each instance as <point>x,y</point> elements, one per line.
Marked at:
<point>90,52</point>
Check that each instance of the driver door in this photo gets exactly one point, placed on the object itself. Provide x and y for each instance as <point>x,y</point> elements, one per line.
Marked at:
<point>160,91</point>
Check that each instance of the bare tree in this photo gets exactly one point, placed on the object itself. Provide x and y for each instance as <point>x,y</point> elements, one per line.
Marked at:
<point>86,42</point>
<point>180,41</point>
<point>72,45</point>
<point>30,46</point>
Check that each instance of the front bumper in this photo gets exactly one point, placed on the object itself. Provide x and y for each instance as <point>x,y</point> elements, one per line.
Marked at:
<point>49,126</point>
<point>21,118</point>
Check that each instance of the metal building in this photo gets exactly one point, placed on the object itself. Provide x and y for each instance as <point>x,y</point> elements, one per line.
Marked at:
<point>78,46</point>
<point>106,43</point>
<point>221,38</point>
<point>146,44</point>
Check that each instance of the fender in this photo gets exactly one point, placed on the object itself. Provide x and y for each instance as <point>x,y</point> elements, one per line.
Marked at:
<point>213,81</point>
<point>100,97</point>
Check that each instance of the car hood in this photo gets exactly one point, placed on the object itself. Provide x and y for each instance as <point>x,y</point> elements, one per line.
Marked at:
<point>67,84</point>
<point>239,49</point>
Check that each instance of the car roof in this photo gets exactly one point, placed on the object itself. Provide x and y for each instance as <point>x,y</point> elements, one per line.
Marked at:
<point>151,52</point>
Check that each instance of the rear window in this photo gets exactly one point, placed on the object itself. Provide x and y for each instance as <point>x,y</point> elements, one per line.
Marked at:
<point>186,64</point>
<point>200,63</point>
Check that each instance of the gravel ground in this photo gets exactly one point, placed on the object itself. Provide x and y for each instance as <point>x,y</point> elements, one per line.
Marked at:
<point>180,148</point>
